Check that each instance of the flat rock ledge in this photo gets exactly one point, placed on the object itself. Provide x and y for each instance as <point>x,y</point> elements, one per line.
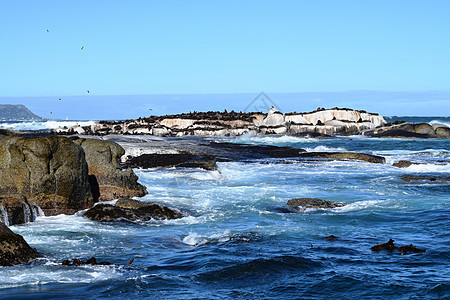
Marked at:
<point>14,249</point>
<point>409,178</point>
<point>178,160</point>
<point>129,210</point>
<point>302,204</point>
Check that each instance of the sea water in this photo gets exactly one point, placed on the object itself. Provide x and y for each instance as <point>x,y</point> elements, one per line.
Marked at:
<point>237,242</point>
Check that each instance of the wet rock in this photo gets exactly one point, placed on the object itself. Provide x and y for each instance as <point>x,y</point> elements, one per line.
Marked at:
<point>332,237</point>
<point>390,246</point>
<point>409,178</point>
<point>106,176</point>
<point>14,249</point>
<point>233,151</point>
<point>50,171</point>
<point>129,210</point>
<point>345,155</point>
<point>402,164</point>
<point>443,132</point>
<point>301,204</point>
<point>91,261</point>
<point>179,160</point>
<point>16,209</point>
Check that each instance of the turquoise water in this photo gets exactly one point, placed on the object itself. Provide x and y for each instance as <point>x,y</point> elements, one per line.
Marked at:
<point>236,243</point>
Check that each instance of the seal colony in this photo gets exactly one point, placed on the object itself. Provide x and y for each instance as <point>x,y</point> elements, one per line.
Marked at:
<point>321,122</point>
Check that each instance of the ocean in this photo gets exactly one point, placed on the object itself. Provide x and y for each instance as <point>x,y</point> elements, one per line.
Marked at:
<point>239,243</point>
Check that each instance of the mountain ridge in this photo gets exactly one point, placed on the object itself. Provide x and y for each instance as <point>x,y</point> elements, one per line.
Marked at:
<point>17,112</point>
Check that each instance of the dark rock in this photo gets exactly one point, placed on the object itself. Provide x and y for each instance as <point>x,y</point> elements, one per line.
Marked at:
<point>91,261</point>
<point>386,246</point>
<point>345,155</point>
<point>398,133</point>
<point>129,210</point>
<point>390,246</point>
<point>14,249</point>
<point>232,151</point>
<point>332,237</point>
<point>49,171</point>
<point>180,160</point>
<point>402,164</point>
<point>409,178</point>
<point>301,204</point>
<point>16,209</point>
<point>103,160</point>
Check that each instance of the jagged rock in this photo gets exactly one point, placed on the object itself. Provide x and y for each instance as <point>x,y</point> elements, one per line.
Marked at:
<point>16,209</point>
<point>345,155</point>
<point>91,261</point>
<point>129,210</point>
<point>409,178</point>
<point>390,246</point>
<point>332,237</point>
<point>301,204</point>
<point>402,164</point>
<point>179,160</point>
<point>14,249</point>
<point>106,176</point>
<point>49,171</point>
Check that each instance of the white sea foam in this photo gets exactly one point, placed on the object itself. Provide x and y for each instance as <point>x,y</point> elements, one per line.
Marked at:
<point>322,148</point>
<point>44,125</point>
<point>271,140</point>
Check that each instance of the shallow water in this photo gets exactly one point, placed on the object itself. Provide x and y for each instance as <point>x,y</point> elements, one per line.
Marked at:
<point>237,242</point>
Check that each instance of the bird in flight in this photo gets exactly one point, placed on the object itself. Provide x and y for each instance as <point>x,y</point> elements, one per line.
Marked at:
<point>48,30</point>
<point>82,47</point>
<point>88,91</point>
<point>59,98</point>
<point>150,109</point>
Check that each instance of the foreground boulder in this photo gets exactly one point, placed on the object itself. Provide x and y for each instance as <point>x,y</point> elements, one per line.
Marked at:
<point>129,210</point>
<point>49,171</point>
<point>302,204</point>
<point>16,209</point>
<point>178,160</point>
<point>14,249</point>
<point>107,178</point>
<point>346,155</point>
<point>403,164</point>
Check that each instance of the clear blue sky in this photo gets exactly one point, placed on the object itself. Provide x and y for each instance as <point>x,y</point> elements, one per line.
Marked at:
<point>204,47</point>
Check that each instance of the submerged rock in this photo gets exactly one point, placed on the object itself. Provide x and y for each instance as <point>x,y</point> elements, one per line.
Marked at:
<point>301,204</point>
<point>409,178</point>
<point>402,164</point>
<point>107,178</point>
<point>129,210</point>
<point>332,237</point>
<point>346,155</point>
<point>390,246</point>
<point>14,249</point>
<point>179,160</point>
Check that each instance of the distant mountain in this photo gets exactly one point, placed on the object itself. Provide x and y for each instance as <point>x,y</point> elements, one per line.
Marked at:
<point>9,112</point>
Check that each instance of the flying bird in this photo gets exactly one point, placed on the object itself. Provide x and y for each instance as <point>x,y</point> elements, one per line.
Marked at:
<point>59,98</point>
<point>48,30</point>
<point>88,91</point>
<point>82,47</point>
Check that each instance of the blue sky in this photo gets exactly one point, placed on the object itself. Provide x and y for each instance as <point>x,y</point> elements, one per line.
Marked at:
<point>225,47</point>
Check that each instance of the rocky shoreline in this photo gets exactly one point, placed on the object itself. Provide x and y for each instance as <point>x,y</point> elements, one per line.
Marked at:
<point>322,122</point>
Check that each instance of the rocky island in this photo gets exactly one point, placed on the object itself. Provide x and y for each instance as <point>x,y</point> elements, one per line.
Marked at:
<point>322,122</point>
